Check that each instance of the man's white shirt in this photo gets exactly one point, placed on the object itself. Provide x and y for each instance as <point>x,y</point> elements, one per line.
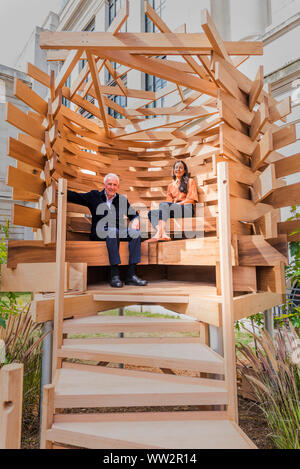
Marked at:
<point>109,201</point>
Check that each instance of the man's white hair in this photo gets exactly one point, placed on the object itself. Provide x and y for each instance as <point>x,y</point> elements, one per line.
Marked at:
<point>111,176</point>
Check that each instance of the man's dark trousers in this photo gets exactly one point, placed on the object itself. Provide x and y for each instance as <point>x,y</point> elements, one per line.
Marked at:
<point>113,236</point>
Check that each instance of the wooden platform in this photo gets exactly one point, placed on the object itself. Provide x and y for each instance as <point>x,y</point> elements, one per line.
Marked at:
<point>180,430</point>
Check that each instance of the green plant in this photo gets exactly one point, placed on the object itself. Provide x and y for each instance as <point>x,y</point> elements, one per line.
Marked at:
<point>275,379</point>
<point>4,234</point>
<point>23,343</point>
<point>9,305</point>
<point>289,310</point>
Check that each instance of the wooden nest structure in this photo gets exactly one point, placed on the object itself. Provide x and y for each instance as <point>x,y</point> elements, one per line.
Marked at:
<point>229,131</point>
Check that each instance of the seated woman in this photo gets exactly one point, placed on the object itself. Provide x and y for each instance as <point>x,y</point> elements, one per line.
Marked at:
<point>182,195</point>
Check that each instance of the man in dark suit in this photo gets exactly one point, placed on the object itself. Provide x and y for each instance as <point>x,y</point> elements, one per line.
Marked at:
<point>110,211</point>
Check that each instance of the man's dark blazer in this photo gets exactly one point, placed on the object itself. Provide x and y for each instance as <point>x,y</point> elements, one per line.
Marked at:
<point>96,202</point>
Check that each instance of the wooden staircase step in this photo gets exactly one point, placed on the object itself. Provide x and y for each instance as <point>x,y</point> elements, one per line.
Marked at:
<point>111,324</point>
<point>175,430</point>
<point>187,354</point>
<point>91,386</point>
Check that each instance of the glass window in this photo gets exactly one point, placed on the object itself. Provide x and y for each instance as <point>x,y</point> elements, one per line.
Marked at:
<point>89,27</point>
<point>154,83</point>
<point>121,100</point>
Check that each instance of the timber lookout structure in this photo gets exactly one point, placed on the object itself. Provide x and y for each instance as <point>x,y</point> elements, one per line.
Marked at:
<point>229,131</point>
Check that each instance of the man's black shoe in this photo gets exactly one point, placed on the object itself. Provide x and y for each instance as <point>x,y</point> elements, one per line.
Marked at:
<point>135,280</point>
<point>116,282</point>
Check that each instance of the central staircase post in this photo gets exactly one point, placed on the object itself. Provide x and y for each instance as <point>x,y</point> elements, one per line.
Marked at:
<point>227,289</point>
<point>60,274</point>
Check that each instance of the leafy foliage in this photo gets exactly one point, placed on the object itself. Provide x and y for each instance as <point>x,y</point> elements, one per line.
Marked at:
<point>290,311</point>
<point>23,342</point>
<point>274,377</point>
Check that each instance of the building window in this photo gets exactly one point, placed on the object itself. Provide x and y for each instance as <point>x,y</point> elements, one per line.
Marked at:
<point>113,8</point>
<point>65,101</point>
<point>154,83</point>
<point>90,27</point>
<point>121,100</point>
<point>158,6</point>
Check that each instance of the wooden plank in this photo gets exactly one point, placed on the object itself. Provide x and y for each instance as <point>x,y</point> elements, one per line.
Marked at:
<point>91,252</point>
<point>230,118</point>
<point>280,110</point>
<point>26,216</point>
<point>19,119</point>
<point>35,277</point>
<point>60,273</point>
<point>238,108</point>
<point>256,88</point>
<point>213,35</point>
<point>253,303</point>
<point>225,80</point>
<point>24,153</point>
<point>263,149</point>
<point>284,136</point>
<point>227,290</point>
<point>76,305</point>
<point>97,86</point>
<point>111,324</point>
<point>47,415</point>
<point>67,68</point>
<point>24,181</point>
<point>260,119</point>
<point>114,27</point>
<point>255,250</point>
<point>161,70</point>
<point>160,24</point>
<point>267,225</point>
<point>284,196</point>
<point>288,227</point>
<point>265,184</point>
<point>11,396</point>
<point>272,279</point>
<point>203,251</point>
<point>29,97</point>
<point>143,43</point>
<point>243,277</point>
<point>32,142</point>
<point>145,432</point>
<point>240,141</point>
<point>287,165</point>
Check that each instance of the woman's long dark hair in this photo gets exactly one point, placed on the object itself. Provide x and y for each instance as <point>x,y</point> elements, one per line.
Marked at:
<point>183,186</point>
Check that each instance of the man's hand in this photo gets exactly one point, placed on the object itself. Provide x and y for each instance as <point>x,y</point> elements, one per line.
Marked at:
<point>135,224</point>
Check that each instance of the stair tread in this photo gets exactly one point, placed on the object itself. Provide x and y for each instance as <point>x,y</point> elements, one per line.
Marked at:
<point>181,350</point>
<point>144,432</point>
<point>182,354</point>
<point>74,381</point>
<point>98,323</point>
<point>127,320</point>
